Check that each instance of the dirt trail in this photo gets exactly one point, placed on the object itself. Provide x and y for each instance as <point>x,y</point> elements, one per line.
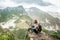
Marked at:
<point>41,36</point>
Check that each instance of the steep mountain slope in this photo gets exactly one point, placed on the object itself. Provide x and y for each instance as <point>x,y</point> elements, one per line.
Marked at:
<point>48,22</point>
<point>10,12</point>
<point>12,16</point>
<point>55,14</point>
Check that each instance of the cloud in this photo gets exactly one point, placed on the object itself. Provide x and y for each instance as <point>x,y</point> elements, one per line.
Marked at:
<point>12,3</point>
<point>44,8</point>
<point>38,2</point>
<point>54,8</point>
<point>7,3</point>
<point>56,4</point>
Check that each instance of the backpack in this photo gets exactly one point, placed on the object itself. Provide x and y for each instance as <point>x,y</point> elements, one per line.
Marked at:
<point>39,28</point>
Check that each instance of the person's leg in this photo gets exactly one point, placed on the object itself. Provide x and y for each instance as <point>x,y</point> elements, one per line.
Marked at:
<point>39,30</point>
<point>35,31</point>
<point>30,30</point>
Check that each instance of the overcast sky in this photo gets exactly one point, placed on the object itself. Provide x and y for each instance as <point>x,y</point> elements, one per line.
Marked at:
<point>54,8</point>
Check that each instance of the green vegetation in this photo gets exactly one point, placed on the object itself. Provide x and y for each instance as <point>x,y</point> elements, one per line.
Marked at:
<point>5,34</point>
<point>52,33</point>
<point>20,34</point>
<point>23,17</point>
<point>10,12</point>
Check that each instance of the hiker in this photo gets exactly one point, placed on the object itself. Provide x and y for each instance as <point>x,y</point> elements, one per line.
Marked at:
<point>35,27</point>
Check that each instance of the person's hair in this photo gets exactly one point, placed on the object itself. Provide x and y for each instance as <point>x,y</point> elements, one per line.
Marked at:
<point>35,22</point>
